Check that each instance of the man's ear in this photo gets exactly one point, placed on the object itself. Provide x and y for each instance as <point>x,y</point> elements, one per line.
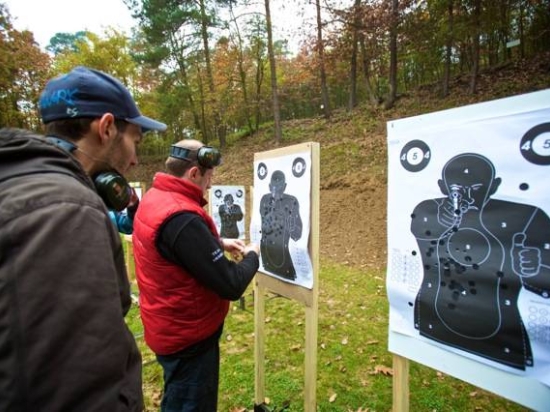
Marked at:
<point>193,172</point>
<point>107,128</point>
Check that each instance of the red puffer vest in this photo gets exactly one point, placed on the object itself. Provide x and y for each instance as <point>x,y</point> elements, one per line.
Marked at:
<point>175,309</point>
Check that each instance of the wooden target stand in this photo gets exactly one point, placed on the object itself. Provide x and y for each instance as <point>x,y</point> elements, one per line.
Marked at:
<point>308,297</point>
<point>140,189</point>
<point>212,212</point>
<point>400,393</point>
<point>521,386</point>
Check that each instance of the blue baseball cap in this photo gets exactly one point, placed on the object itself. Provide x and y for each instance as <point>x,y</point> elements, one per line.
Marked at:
<point>85,92</point>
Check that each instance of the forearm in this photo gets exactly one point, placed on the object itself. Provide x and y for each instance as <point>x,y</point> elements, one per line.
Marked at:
<point>208,264</point>
<point>233,278</point>
<point>223,276</point>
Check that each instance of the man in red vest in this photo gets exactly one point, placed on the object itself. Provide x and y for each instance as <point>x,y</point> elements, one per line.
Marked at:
<point>184,278</point>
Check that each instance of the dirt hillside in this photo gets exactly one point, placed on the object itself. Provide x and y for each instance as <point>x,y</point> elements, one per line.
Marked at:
<point>353,158</point>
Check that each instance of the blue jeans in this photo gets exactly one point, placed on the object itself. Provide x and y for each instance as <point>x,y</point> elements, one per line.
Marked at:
<point>191,380</point>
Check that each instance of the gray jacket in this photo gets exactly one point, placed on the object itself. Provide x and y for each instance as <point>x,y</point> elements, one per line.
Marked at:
<point>64,292</point>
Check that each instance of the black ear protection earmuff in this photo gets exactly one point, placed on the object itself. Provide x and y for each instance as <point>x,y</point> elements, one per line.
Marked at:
<point>206,156</point>
<point>111,186</point>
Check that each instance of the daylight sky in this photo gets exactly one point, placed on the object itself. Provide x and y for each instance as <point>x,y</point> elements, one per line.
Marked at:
<point>45,18</point>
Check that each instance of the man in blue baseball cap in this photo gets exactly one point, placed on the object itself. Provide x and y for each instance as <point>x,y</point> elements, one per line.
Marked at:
<point>64,291</point>
<point>89,93</point>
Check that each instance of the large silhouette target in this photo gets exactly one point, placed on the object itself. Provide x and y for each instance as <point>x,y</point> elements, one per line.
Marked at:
<point>469,244</point>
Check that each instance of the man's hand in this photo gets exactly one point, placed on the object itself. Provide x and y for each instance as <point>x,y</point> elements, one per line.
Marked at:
<point>238,249</point>
<point>233,246</point>
<point>252,247</point>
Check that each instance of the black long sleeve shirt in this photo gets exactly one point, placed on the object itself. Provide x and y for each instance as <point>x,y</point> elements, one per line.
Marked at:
<point>185,240</point>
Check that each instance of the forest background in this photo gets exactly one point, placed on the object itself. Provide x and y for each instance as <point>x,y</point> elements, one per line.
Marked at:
<point>229,82</point>
<point>209,72</point>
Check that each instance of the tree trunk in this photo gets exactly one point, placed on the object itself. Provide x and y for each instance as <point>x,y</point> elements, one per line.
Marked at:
<point>475,47</point>
<point>504,29</point>
<point>272,65</point>
<point>448,49</point>
<point>185,80</point>
<point>392,94</point>
<point>353,64</point>
<point>321,54</point>
<point>202,95</point>
<point>521,30</point>
<point>373,97</point>
<point>242,72</point>
<point>259,82</point>
<point>219,131</point>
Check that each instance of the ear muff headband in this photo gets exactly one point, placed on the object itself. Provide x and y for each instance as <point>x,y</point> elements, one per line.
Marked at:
<point>62,143</point>
<point>207,156</point>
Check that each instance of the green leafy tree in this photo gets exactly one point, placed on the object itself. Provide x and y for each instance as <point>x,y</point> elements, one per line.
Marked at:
<point>24,69</point>
<point>110,54</point>
<point>278,132</point>
<point>61,42</point>
<point>244,67</point>
<point>322,67</point>
<point>257,50</point>
<point>113,54</point>
<point>179,38</point>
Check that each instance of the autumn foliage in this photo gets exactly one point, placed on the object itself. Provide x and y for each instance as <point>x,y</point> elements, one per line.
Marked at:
<point>204,66</point>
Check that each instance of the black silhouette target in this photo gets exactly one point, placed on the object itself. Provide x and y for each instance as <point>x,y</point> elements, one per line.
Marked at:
<point>469,247</point>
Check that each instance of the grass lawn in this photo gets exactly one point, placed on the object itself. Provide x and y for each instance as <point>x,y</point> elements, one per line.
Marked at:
<point>354,367</point>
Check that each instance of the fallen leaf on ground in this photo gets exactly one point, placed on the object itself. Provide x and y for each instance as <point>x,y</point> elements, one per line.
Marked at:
<point>383,370</point>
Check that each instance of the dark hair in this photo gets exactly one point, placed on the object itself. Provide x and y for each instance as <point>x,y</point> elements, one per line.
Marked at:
<point>202,169</point>
<point>75,129</point>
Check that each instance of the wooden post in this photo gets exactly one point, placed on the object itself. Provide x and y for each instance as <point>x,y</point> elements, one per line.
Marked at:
<point>129,258</point>
<point>310,390</point>
<point>312,310</point>
<point>259,343</point>
<point>400,384</point>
